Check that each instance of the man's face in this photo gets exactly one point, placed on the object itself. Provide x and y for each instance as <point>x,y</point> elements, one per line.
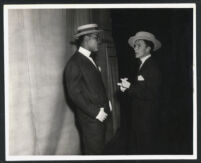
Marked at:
<point>93,42</point>
<point>141,49</point>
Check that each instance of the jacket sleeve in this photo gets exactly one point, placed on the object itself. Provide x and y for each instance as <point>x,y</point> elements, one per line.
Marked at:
<point>147,89</point>
<point>74,84</point>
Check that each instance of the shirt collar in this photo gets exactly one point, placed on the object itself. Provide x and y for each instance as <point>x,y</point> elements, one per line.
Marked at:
<point>84,51</point>
<point>143,59</point>
<point>87,54</point>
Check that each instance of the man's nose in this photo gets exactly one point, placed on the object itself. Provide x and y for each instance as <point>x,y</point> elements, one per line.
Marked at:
<point>134,49</point>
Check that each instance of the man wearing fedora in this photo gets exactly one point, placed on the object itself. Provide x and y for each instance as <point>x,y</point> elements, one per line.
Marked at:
<point>144,95</point>
<point>86,90</point>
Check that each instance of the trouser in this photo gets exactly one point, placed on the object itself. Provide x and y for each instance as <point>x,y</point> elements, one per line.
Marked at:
<point>92,134</point>
<point>143,142</point>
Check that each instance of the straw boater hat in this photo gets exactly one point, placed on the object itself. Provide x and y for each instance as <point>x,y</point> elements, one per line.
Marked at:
<point>142,35</point>
<point>86,29</point>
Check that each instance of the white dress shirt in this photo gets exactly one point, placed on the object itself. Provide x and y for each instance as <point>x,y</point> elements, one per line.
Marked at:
<point>143,59</point>
<point>86,53</point>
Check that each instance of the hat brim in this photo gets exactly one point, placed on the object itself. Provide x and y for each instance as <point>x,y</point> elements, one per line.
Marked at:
<point>157,43</point>
<point>76,36</point>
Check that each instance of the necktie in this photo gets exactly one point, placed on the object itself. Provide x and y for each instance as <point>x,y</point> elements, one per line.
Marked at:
<point>92,55</point>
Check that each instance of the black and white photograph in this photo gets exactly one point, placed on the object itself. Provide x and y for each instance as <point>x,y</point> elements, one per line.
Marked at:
<point>100,81</point>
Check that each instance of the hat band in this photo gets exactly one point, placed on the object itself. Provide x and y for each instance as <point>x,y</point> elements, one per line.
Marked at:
<point>88,29</point>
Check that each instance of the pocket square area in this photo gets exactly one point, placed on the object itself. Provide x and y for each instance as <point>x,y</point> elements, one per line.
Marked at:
<point>140,78</point>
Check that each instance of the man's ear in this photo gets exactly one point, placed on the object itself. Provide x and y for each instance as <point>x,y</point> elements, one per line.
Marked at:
<point>86,37</point>
<point>148,49</point>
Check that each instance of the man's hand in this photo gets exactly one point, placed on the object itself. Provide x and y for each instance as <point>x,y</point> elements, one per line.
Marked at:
<point>125,84</point>
<point>101,115</point>
<point>121,87</point>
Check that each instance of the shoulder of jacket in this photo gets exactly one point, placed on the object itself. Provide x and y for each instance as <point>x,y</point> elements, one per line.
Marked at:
<point>73,61</point>
<point>151,68</point>
<point>152,63</point>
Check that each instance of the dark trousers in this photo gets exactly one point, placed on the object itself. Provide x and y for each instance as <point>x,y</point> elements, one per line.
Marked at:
<point>92,134</point>
<point>143,143</point>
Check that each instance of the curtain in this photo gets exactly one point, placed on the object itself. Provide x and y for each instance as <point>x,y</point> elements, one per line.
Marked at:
<point>40,120</point>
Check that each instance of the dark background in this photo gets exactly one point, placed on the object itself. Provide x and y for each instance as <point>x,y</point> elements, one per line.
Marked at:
<point>123,70</point>
<point>173,27</point>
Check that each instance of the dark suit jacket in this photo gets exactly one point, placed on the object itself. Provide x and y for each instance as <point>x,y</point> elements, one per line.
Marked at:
<point>85,87</point>
<point>145,97</point>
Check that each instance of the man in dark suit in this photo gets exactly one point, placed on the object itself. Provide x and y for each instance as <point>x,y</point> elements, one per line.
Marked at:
<point>144,95</point>
<point>86,90</point>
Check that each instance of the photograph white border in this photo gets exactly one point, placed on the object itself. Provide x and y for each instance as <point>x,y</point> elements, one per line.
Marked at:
<point>103,157</point>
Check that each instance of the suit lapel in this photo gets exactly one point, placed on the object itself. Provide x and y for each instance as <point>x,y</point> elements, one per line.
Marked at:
<point>144,65</point>
<point>88,62</point>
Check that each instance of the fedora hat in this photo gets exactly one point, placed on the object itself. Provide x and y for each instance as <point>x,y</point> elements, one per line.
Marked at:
<point>142,35</point>
<point>86,29</point>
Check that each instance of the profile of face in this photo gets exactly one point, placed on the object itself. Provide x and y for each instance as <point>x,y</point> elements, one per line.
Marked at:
<point>141,49</point>
<point>92,42</point>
